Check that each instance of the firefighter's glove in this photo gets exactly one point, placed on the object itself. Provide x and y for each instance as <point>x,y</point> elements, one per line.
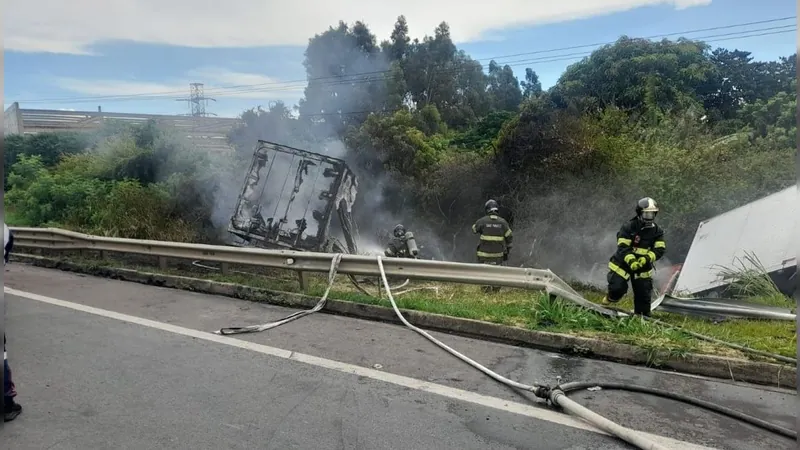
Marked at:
<point>630,260</point>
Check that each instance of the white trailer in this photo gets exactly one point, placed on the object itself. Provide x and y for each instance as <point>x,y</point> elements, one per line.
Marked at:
<point>768,228</point>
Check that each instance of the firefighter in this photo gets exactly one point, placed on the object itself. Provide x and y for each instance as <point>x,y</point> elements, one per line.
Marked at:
<point>495,238</point>
<point>11,409</point>
<point>8,243</point>
<point>402,244</point>
<point>640,243</point>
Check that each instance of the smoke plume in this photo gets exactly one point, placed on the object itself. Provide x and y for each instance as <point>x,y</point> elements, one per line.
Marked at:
<point>570,228</point>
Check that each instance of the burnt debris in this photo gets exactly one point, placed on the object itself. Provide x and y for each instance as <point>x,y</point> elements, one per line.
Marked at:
<point>289,198</point>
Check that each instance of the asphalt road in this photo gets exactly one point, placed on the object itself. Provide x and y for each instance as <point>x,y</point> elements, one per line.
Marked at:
<point>143,372</point>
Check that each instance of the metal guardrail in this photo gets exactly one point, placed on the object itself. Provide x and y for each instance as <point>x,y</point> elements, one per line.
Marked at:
<point>714,308</point>
<point>360,265</point>
<point>443,271</point>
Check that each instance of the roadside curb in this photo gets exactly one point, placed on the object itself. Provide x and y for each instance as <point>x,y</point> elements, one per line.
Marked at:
<point>771,374</point>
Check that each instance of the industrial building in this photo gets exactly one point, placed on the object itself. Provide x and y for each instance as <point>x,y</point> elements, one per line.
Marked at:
<point>203,132</point>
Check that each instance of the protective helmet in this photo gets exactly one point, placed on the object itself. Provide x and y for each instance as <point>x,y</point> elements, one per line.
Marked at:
<point>399,230</point>
<point>491,206</point>
<point>646,210</point>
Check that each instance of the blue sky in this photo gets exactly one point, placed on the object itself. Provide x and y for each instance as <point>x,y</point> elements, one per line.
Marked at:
<point>254,43</point>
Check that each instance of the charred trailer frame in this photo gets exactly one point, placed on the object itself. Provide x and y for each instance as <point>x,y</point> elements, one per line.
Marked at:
<point>273,193</point>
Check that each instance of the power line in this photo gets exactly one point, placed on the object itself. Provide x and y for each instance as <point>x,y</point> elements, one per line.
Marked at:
<point>523,62</point>
<point>375,76</point>
<point>290,85</point>
<point>678,33</point>
<point>381,72</point>
<point>577,56</point>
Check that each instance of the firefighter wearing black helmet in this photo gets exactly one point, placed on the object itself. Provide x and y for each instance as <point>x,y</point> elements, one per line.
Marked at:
<point>402,244</point>
<point>640,243</point>
<point>495,236</point>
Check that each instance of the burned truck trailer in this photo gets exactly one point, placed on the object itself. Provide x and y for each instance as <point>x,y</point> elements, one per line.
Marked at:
<point>289,198</point>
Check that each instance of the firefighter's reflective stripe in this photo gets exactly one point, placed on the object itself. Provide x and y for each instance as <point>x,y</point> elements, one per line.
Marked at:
<point>508,233</point>
<point>645,252</point>
<point>629,258</point>
<point>474,230</point>
<point>625,275</point>
<point>624,241</point>
<point>660,244</point>
<point>618,270</point>
<point>492,238</point>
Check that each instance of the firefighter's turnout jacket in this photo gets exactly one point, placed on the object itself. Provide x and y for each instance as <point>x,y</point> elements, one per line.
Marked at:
<point>635,242</point>
<point>8,243</point>
<point>495,238</point>
<point>398,248</point>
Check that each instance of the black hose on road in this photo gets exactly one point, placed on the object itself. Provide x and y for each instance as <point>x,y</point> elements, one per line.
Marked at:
<point>732,413</point>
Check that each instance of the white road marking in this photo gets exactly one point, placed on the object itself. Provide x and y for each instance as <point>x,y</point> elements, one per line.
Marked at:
<point>398,380</point>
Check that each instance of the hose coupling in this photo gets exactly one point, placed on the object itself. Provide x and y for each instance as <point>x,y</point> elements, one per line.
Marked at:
<point>542,392</point>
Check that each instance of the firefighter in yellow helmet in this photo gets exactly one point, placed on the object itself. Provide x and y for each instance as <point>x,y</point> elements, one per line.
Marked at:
<point>640,243</point>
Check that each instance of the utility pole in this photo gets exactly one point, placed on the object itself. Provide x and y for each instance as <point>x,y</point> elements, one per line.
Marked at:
<point>197,101</point>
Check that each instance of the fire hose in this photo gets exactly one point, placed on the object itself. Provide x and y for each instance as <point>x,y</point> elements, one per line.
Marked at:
<point>557,395</point>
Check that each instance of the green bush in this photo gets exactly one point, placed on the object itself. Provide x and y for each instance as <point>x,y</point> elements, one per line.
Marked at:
<point>137,182</point>
<point>50,147</point>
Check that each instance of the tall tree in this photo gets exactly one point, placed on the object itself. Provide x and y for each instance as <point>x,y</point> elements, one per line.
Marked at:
<point>639,76</point>
<point>438,73</point>
<point>432,69</point>
<point>740,81</point>
<point>346,78</point>
<point>504,87</point>
<point>397,47</point>
<point>532,87</point>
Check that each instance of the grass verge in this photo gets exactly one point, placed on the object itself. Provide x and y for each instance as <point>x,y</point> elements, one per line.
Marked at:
<point>514,307</point>
<point>749,280</point>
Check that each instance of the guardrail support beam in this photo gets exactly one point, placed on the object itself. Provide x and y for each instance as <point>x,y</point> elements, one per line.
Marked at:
<point>162,263</point>
<point>225,268</point>
<point>303,279</point>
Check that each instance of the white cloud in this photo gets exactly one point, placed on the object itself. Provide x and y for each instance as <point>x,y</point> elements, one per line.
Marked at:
<point>72,27</point>
<point>218,83</point>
